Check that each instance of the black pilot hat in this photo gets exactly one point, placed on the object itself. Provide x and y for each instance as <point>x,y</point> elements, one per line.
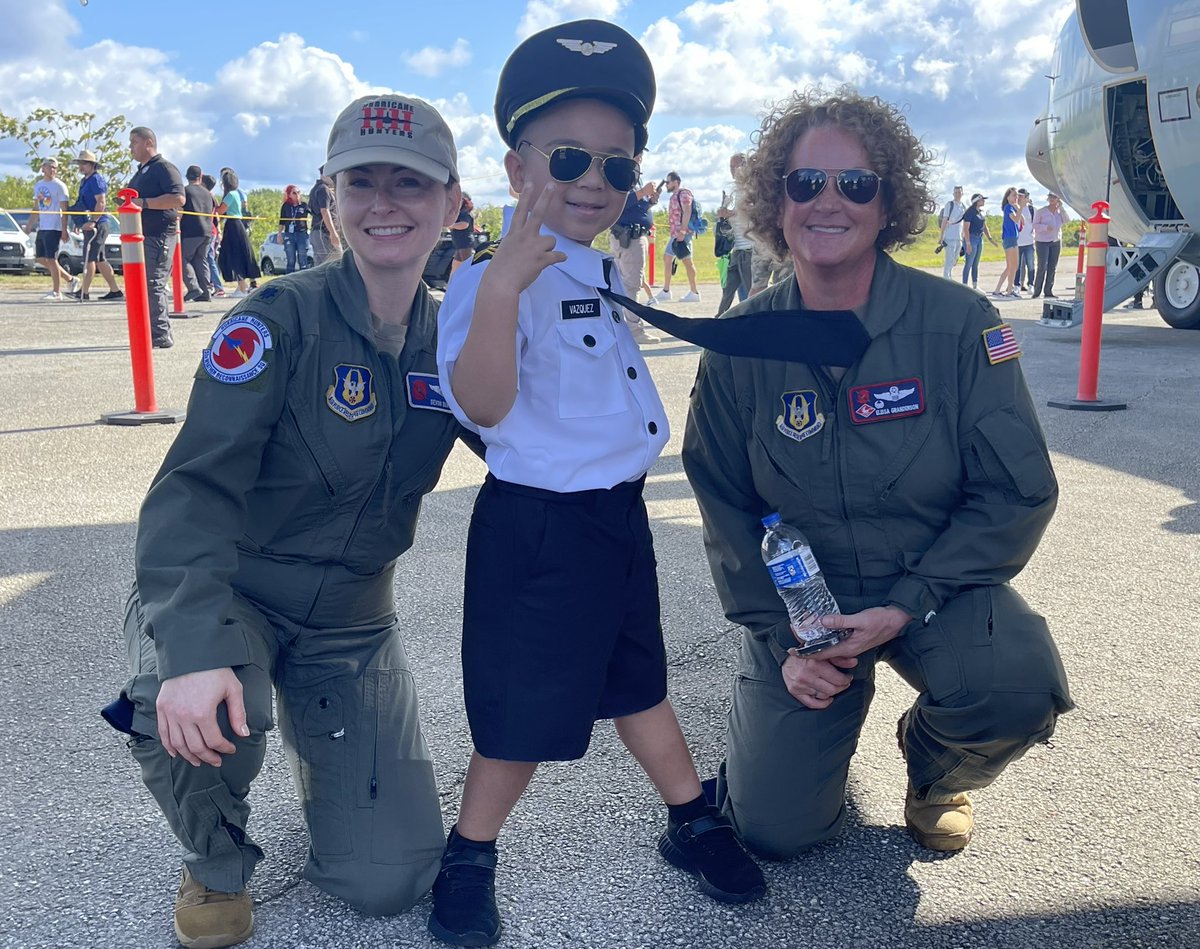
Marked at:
<point>583,58</point>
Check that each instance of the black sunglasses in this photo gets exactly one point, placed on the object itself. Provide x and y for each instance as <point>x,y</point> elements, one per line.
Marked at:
<point>855,184</point>
<point>569,163</point>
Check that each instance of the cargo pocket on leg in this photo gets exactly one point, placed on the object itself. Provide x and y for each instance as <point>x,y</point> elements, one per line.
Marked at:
<point>395,774</point>
<point>320,761</point>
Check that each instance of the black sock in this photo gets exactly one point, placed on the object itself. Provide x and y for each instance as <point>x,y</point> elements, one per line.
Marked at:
<point>684,813</point>
<point>466,843</point>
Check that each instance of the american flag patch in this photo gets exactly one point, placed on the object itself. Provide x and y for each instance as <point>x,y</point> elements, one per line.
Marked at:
<point>1000,344</point>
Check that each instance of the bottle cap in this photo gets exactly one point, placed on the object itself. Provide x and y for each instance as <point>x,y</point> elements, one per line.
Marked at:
<point>771,520</point>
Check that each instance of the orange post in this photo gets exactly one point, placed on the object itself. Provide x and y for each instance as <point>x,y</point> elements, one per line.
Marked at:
<point>177,281</point>
<point>1082,247</point>
<point>650,254</point>
<point>137,314</point>
<point>1093,303</point>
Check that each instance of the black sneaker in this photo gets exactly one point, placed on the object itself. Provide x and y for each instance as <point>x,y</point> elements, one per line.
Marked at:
<point>80,296</point>
<point>708,848</point>
<point>1051,296</point>
<point>113,295</point>
<point>202,298</point>
<point>464,895</point>
<point>190,296</point>
<point>165,343</point>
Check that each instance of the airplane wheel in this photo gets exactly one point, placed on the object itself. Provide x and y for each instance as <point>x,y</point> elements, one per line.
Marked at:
<point>1177,295</point>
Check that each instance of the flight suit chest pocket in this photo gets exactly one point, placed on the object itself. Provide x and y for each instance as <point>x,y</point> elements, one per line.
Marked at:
<point>590,383</point>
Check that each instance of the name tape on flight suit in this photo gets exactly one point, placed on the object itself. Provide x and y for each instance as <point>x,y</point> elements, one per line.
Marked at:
<point>425,391</point>
<point>235,354</point>
<point>883,401</point>
<point>580,309</point>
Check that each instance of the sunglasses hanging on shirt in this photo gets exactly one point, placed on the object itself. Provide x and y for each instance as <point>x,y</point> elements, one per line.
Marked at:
<point>569,163</point>
<point>856,184</point>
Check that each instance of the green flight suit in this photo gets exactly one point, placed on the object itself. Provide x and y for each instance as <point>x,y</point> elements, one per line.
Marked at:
<point>268,542</point>
<point>933,507</point>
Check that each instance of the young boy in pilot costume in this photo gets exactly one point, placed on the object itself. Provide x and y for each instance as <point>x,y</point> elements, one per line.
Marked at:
<point>561,611</point>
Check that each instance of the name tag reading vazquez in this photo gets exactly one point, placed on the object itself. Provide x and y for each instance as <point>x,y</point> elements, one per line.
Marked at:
<point>580,309</point>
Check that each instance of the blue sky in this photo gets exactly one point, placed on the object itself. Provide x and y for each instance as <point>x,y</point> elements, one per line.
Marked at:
<point>255,86</point>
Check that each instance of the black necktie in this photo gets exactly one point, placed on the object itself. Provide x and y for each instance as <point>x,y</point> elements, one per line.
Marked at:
<point>817,337</point>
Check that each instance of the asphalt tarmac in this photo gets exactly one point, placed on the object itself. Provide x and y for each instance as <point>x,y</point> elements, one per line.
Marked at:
<point>1090,841</point>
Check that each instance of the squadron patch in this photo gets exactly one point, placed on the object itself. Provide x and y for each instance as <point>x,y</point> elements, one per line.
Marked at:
<point>425,391</point>
<point>236,353</point>
<point>800,418</point>
<point>882,401</point>
<point>352,395</point>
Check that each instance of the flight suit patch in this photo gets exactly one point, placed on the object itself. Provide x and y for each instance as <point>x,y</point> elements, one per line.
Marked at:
<point>236,354</point>
<point>425,391</point>
<point>1000,344</point>
<point>800,418</point>
<point>580,309</point>
<point>882,401</point>
<point>352,395</point>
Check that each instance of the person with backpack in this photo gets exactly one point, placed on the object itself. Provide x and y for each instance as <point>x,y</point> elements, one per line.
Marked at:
<point>950,223</point>
<point>685,221</point>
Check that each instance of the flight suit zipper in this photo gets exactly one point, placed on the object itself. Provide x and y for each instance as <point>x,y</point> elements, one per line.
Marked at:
<point>832,393</point>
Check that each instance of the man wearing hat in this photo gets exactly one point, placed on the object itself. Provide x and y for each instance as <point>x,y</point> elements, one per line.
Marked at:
<point>267,548</point>
<point>50,220</point>
<point>87,216</point>
<point>561,622</point>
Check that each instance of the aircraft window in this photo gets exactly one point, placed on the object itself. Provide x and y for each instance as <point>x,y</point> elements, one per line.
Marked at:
<point>1185,31</point>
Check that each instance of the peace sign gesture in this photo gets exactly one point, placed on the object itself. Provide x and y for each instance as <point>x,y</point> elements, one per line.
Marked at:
<point>524,252</point>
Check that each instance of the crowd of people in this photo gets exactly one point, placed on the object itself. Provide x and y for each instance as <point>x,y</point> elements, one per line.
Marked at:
<point>209,217</point>
<point>1032,241</point>
<point>267,545</point>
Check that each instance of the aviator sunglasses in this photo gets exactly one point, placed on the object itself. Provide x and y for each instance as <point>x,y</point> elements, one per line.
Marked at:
<point>569,163</point>
<point>855,184</point>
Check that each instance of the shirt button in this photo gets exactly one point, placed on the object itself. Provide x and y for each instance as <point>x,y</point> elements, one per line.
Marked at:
<point>589,341</point>
<point>652,428</point>
<point>631,372</point>
<point>616,316</point>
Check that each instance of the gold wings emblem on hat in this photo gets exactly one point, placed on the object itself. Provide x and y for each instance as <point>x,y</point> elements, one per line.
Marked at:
<point>586,48</point>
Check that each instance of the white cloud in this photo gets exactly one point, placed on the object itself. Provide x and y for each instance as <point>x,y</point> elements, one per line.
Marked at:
<point>432,61</point>
<point>252,124</point>
<point>540,14</point>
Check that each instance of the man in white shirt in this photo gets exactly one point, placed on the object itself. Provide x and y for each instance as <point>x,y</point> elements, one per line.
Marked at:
<point>49,217</point>
<point>950,221</point>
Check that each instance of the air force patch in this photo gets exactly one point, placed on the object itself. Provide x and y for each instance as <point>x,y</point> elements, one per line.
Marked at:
<point>352,395</point>
<point>886,400</point>
<point>425,391</point>
<point>800,418</point>
<point>237,350</point>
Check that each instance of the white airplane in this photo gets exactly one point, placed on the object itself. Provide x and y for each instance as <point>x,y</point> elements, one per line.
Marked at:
<point>1122,124</point>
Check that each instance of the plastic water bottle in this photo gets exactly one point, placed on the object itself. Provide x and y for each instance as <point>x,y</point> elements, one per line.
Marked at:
<point>798,580</point>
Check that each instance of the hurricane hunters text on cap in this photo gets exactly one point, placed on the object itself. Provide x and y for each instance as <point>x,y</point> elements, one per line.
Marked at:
<point>392,130</point>
<point>584,58</point>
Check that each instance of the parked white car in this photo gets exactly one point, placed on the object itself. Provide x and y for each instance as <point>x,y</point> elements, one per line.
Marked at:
<point>272,258</point>
<point>70,253</point>
<point>16,247</point>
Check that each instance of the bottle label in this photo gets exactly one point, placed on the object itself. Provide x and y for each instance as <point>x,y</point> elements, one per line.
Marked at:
<point>793,567</point>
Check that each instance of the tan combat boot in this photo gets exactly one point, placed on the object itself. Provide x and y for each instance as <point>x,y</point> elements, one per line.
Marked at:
<point>940,822</point>
<point>211,919</point>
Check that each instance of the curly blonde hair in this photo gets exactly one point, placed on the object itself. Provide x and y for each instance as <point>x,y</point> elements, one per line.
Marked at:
<point>893,151</point>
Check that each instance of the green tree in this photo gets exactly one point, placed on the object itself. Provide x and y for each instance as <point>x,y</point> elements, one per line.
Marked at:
<point>48,133</point>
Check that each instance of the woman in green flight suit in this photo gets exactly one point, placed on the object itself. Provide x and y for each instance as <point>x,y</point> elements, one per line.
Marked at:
<point>919,475</point>
<point>267,545</point>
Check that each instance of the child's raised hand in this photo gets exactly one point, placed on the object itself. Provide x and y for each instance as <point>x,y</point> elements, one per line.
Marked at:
<point>525,252</point>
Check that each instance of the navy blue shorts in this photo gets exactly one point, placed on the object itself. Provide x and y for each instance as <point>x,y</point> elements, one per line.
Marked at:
<point>560,618</point>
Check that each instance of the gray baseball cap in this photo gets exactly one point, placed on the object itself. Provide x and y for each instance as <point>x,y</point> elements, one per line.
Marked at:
<point>392,130</point>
